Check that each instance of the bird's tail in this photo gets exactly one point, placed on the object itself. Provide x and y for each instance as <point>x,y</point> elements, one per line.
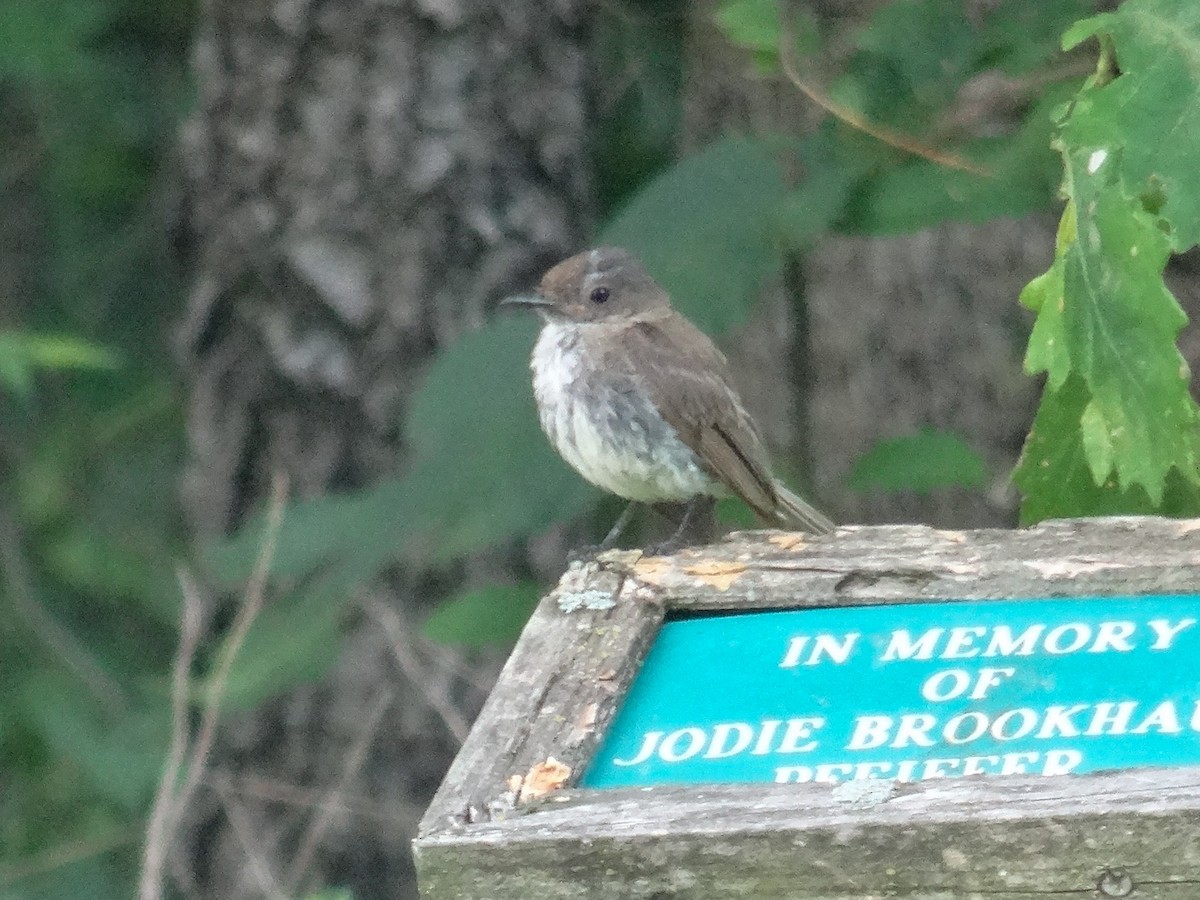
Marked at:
<point>792,512</point>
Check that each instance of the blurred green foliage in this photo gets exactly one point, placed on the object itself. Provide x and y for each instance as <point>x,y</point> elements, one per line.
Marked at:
<point>490,615</point>
<point>91,434</point>
<point>922,462</point>
<point>91,92</point>
<point>22,354</point>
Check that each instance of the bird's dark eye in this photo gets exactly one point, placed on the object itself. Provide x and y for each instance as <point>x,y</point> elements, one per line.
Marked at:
<point>599,295</point>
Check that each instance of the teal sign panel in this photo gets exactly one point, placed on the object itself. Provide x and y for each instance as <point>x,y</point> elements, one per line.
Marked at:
<point>913,692</point>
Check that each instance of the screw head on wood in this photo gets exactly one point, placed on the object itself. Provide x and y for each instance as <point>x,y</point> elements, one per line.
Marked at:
<point>1114,883</point>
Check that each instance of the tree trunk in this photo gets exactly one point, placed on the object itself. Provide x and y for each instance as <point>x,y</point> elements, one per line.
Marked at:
<point>924,330</point>
<point>366,180</point>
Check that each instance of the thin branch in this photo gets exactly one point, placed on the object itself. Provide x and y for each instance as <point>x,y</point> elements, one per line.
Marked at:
<point>164,811</point>
<point>246,834</point>
<point>64,855</point>
<point>73,654</point>
<point>439,701</point>
<point>787,59</point>
<point>170,805</point>
<point>251,606</point>
<point>352,765</point>
<point>401,817</point>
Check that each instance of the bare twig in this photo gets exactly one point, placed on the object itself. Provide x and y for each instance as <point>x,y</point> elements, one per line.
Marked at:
<point>351,766</point>
<point>402,817</point>
<point>247,835</point>
<point>163,813</point>
<point>73,654</point>
<point>439,701</point>
<point>251,606</point>
<point>787,59</point>
<point>171,805</point>
<point>64,855</point>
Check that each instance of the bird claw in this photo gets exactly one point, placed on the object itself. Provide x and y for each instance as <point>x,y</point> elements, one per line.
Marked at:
<point>586,553</point>
<point>668,547</point>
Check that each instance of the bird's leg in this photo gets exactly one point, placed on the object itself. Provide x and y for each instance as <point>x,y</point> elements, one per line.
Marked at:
<point>586,552</point>
<point>698,509</point>
<point>618,527</point>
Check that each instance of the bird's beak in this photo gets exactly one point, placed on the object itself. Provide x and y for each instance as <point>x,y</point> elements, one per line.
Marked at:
<point>528,301</point>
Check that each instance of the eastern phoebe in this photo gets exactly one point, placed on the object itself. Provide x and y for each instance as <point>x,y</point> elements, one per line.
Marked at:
<point>639,401</point>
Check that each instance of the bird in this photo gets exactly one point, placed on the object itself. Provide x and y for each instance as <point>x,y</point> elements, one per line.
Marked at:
<point>640,402</point>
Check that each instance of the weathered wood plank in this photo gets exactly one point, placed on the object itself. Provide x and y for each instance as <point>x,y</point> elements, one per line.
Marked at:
<point>556,694</point>
<point>1013,837</point>
<point>960,838</point>
<point>916,564</point>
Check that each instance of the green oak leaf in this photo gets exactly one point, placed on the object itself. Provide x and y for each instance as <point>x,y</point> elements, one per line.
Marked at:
<point>1054,474</point>
<point>1145,119</point>
<point>1105,315</point>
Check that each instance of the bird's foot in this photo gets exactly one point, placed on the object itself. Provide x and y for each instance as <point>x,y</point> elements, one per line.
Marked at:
<point>585,553</point>
<point>694,528</point>
<point>668,547</point>
<point>590,551</point>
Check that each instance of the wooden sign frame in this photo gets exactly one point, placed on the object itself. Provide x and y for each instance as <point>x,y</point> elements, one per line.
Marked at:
<point>509,823</point>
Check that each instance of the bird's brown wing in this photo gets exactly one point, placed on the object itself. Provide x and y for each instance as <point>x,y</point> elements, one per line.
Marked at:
<point>687,379</point>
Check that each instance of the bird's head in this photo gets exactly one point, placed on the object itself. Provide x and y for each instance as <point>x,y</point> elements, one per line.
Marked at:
<point>602,285</point>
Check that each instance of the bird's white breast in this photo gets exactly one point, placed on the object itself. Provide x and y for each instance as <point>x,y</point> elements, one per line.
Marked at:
<point>604,428</point>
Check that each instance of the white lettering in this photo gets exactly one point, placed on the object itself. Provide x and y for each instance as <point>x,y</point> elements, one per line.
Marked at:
<point>1029,720</point>
<point>835,648</point>
<point>1165,632</point>
<point>827,773</point>
<point>1004,644</point>
<point>720,746</point>
<point>1105,721</point>
<point>914,729</point>
<point>961,643</point>
<point>975,765</point>
<point>798,730</point>
<point>1053,642</point>
<point>1163,717</point>
<point>978,728</point>
<point>990,678</point>
<point>1113,636</point>
<point>763,745</point>
<point>1061,762</point>
<point>670,751</point>
<point>871,770</point>
<point>936,689</point>
<point>902,645</point>
<point>1053,762</point>
<point>939,768</point>
<point>1014,763</point>
<point>793,775</point>
<point>649,745</point>
<point>1057,721</point>
<point>870,732</point>
<point>796,646</point>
